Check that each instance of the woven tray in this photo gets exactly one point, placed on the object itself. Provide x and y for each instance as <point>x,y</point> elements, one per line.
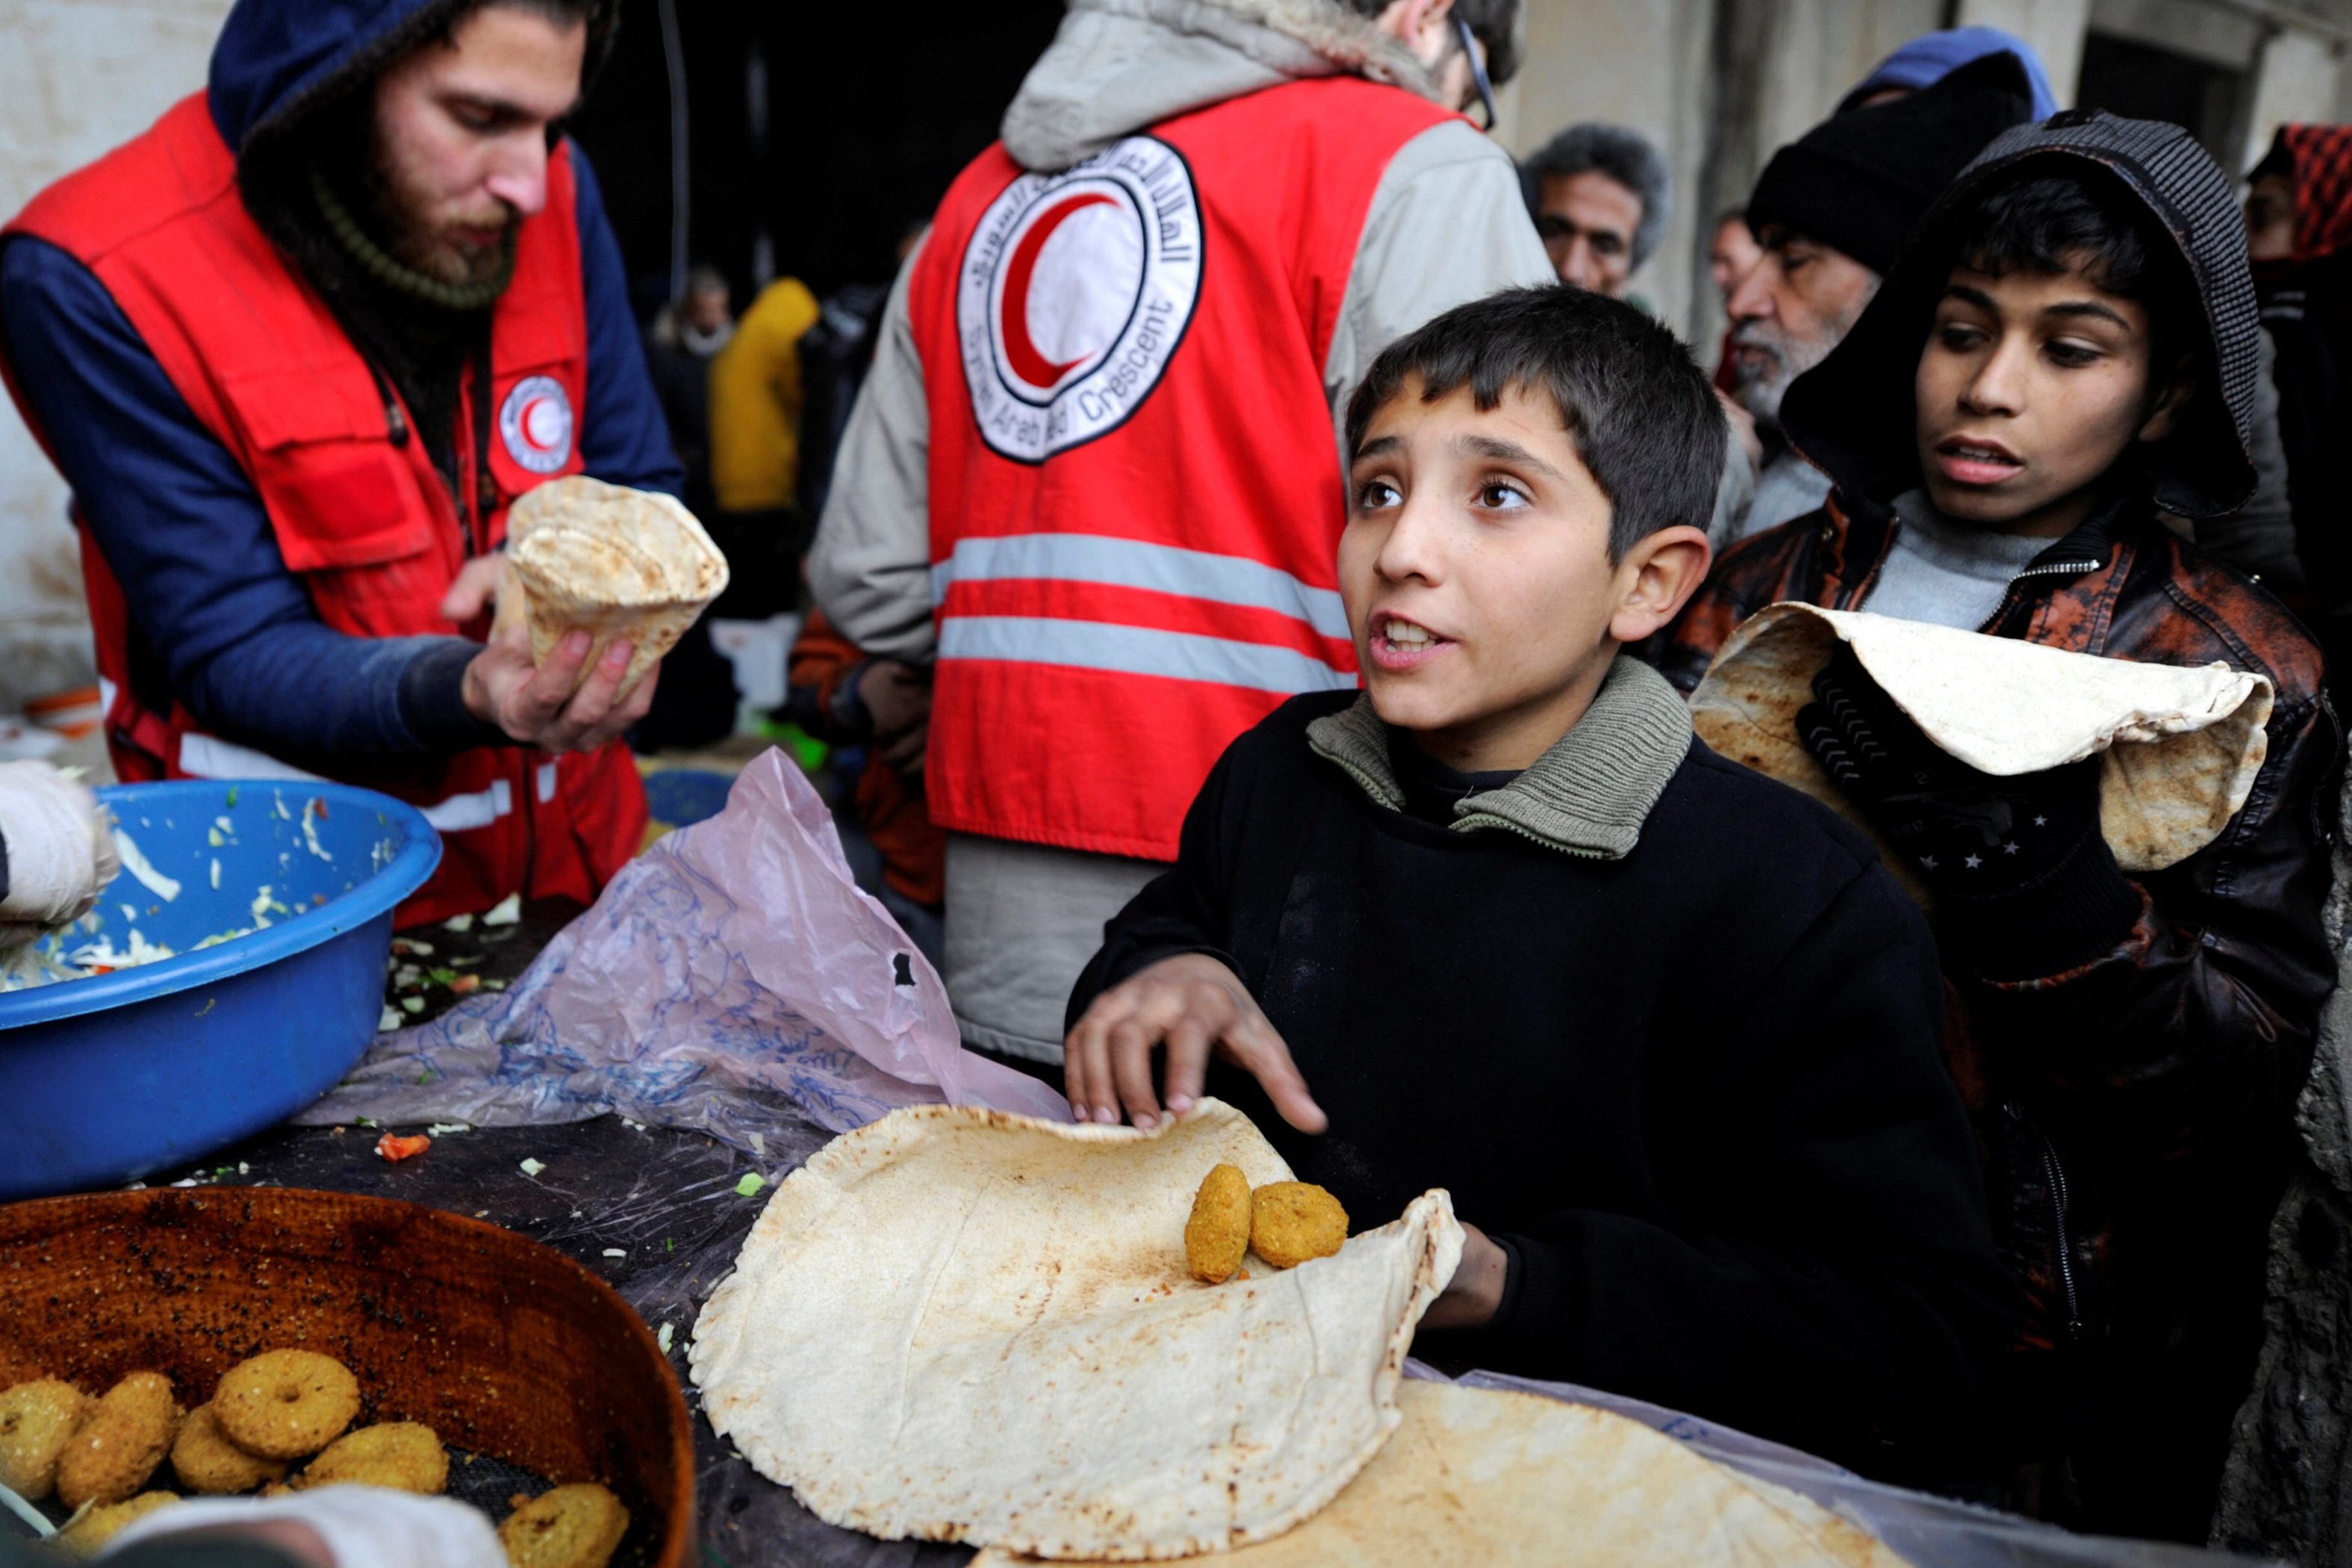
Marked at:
<point>506,1348</point>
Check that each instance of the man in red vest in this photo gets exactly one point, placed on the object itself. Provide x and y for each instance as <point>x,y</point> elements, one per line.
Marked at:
<point>1093,479</point>
<point>296,349</point>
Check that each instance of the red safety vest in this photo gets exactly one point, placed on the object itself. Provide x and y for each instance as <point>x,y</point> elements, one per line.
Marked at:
<point>1135,491</point>
<point>354,502</point>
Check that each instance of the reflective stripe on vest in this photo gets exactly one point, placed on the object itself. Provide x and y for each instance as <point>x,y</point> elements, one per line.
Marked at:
<point>1137,650</point>
<point>1101,560</point>
<point>210,757</point>
<point>1136,564</point>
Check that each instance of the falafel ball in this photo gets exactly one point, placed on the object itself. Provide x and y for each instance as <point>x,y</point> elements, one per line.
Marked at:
<point>406,1456</point>
<point>1291,1222</point>
<point>208,1464</point>
<point>1218,1233</point>
<point>578,1526</point>
<point>37,1420</point>
<point>128,1432</point>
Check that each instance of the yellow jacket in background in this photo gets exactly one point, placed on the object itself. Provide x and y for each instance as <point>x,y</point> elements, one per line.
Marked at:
<point>755,401</point>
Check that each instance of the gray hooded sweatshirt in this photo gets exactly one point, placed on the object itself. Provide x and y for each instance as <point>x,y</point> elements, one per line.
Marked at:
<point>1447,224</point>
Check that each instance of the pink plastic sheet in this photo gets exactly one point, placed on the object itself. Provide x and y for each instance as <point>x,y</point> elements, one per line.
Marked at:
<point>734,963</point>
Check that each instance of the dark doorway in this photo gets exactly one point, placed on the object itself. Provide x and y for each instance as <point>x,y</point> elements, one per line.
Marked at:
<point>870,112</point>
<point>2142,81</point>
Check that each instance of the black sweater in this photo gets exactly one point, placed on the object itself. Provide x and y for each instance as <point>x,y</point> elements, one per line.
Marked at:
<point>1695,1091</point>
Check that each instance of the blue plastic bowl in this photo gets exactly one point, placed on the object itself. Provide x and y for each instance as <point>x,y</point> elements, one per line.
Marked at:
<point>107,1080</point>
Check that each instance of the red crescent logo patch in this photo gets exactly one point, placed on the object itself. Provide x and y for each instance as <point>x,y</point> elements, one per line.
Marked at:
<point>535,424</point>
<point>1075,292</point>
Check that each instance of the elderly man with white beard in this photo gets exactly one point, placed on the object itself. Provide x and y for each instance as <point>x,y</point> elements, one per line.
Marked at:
<point>1832,210</point>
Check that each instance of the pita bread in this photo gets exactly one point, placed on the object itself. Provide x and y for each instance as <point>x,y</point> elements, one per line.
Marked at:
<point>1483,1475</point>
<point>955,1325</point>
<point>2179,747</point>
<point>610,561</point>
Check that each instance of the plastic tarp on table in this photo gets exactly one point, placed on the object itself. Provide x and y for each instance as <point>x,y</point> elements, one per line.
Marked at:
<point>1931,1531</point>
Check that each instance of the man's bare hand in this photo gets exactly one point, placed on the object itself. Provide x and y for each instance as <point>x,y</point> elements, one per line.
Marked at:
<point>537,705</point>
<point>1476,1291</point>
<point>1743,427</point>
<point>1193,1004</point>
<point>476,589</point>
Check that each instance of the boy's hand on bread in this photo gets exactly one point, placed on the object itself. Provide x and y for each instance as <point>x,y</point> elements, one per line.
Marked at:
<point>1474,1294</point>
<point>1193,1004</point>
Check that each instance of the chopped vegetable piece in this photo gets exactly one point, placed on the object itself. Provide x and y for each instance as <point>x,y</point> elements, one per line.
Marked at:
<point>413,1004</point>
<point>760,1145</point>
<point>662,1339</point>
<point>390,1020</point>
<point>440,976</point>
<point>394,1148</point>
<point>466,984</point>
<point>438,1128</point>
<point>616,1252</point>
<point>154,881</point>
<point>216,871</point>
<point>750,1183</point>
<point>231,802</point>
<point>532,1167</point>
<point>459,923</point>
<point>508,912</point>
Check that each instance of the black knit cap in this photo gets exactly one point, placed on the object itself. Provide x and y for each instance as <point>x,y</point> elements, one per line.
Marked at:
<point>1860,181</point>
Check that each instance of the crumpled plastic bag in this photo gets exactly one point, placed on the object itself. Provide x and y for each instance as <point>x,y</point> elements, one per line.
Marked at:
<point>732,980</point>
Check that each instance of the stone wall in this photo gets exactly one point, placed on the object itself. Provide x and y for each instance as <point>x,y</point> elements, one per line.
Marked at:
<point>77,77</point>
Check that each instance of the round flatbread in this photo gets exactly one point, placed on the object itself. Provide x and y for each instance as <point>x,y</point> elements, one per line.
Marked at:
<point>961,1325</point>
<point>2178,748</point>
<point>610,561</point>
<point>1506,1479</point>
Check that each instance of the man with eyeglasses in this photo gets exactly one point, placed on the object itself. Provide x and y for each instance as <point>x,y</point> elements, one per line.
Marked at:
<point>1093,481</point>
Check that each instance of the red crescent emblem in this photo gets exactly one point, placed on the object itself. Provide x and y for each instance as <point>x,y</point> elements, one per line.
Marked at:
<point>1021,351</point>
<point>523,424</point>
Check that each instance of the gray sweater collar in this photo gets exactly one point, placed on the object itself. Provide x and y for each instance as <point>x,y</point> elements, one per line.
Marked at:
<point>1589,794</point>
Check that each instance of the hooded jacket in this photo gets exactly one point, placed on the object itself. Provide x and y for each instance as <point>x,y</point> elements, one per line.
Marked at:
<point>220,622</point>
<point>2134,1101</point>
<point>1445,224</point>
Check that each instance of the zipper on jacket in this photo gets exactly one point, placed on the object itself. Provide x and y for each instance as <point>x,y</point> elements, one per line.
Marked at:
<point>2055,569</point>
<point>1486,820</point>
<point>2053,1180</point>
<point>395,423</point>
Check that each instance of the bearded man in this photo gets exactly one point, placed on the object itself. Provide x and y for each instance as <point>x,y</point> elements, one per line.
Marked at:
<point>1832,211</point>
<point>296,349</point>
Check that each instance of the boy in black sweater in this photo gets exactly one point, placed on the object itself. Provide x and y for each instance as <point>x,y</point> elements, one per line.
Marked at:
<point>1665,1029</point>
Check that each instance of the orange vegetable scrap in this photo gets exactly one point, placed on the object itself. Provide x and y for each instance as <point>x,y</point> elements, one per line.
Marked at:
<point>395,1148</point>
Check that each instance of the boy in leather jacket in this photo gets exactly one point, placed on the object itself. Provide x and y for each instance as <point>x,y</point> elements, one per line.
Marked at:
<point>2068,346</point>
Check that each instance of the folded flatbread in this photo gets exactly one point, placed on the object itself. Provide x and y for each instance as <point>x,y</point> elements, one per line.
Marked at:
<point>956,1324</point>
<point>611,560</point>
<point>2178,746</point>
<point>1483,1476</point>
